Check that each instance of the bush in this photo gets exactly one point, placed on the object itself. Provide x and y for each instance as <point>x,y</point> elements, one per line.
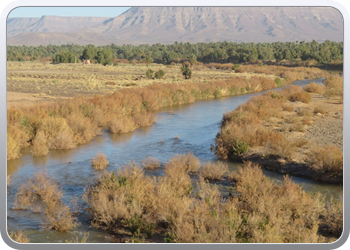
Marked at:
<point>159,74</point>
<point>327,159</point>
<point>185,162</point>
<point>315,88</point>
<point>334,85</point>
<point>186,71</point>
<point>100,161</point>
<point>42,194</point>
<point>40,144</point>
<point>279,82</point>
<point>149,74</point>
<point>236,66</point>
<point>239,147</point>
<point>151,163</point>
<point>13,149</point>
<point>213,171</point>
<point>19,237</point>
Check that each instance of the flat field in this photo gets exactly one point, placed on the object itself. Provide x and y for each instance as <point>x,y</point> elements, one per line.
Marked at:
<point>43,82</point>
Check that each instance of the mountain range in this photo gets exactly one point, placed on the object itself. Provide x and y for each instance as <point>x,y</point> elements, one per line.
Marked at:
<point>140,25</point>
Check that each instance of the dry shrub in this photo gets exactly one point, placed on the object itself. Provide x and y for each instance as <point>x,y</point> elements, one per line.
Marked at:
<point>263,212</point>
<point>298,127</point>
<point>238,117</point>
<point>185,162</point>
<point>295,93</point>
<point>19,237</point>
<point>100,161</point>
<point>8,180</point>
<point>304,112</point>
<point>144,120</point>
<point>42,194</point>
<point>326,159</point>
<point>279,146</point>
<point>288,108</point>
<point>300,142</point>
<point>57,133</point>
<point>151,163</point>
<point>333,217</point>
<point>320,109</point>
<point>334,85</point>
<point>263,106</point>
<point>276,213</point>
<point>315,88</point>
<point>40,144</point>
<point>213,171</point>
<point>83,129</point>
<point>59,217</point>
<point>301,96</point>
<point>13,148</point>
<point>118,200</point>
<point>119,125</point>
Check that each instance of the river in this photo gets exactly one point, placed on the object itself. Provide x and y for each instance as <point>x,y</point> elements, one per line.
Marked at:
<point>195,125</point>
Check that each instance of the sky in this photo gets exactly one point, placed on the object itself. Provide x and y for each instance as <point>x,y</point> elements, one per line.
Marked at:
<point>67,11</point>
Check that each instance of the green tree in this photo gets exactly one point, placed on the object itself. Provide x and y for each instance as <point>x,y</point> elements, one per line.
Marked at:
<point>89,53</point>
<point>104,57</point>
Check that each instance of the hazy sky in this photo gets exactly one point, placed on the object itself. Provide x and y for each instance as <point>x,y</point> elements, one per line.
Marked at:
<point>67,11</point>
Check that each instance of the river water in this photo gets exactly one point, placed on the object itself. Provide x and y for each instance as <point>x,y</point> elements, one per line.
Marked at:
<point>195,125</point>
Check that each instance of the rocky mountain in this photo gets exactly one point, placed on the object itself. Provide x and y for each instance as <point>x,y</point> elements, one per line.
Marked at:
<point>183,24</point>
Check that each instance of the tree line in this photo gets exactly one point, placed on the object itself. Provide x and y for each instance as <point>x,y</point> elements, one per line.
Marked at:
<point>213,52</point>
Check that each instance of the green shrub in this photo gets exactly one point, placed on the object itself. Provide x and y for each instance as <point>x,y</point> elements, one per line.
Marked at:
<point>159,74</point>
<point>149,73</point>
<point>186,71</point>
<point>239,147</point>
<point>278,81</point>
<point>236,66</point>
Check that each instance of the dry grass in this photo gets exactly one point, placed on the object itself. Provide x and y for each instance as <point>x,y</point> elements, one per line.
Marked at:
<point>77,240</point>
<point>100,161</point>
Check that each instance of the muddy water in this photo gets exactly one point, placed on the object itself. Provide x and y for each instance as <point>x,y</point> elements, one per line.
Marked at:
<point>195,126</point>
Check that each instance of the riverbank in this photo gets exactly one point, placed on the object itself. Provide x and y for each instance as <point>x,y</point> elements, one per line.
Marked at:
<point>66,123</point>
<point>293,131</point>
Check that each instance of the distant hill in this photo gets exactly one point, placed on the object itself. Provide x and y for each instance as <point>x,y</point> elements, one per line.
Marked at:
<point>151,25</point>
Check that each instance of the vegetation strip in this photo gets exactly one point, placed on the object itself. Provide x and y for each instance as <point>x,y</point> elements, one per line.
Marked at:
<point>66,123</point>
<point>270,129</point>
<point>139,208</point>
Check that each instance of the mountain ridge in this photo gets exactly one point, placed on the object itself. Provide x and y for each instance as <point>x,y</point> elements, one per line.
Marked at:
<point>183,24</point>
